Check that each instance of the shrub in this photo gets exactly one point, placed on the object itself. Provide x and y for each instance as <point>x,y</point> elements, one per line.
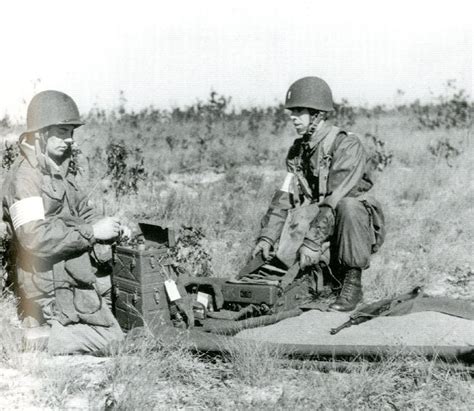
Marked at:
<point>344,114</point>
<point>126,167</point>
<point>379,156</point>
<point>5,122</point>
<point>450,110</point>
<point>280,118</point>
<point>444,148</point>
<point>10,153</point>
<point>189,254</point>
<point>74,167</point>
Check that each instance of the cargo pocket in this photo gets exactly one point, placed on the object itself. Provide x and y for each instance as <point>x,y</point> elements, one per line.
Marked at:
<point>377,221</point>
<point>53,197</point>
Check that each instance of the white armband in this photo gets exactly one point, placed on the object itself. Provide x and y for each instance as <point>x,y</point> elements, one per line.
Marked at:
<point>26,210</point>
<point>172,290</point>
<point>286,187</point>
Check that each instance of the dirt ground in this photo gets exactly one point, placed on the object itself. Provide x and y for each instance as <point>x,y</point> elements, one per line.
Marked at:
<point>36,374</point>
<point>25,386</point>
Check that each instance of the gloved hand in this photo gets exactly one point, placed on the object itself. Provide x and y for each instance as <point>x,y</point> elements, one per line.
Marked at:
<point>308,257</point>
<point>265,248</point>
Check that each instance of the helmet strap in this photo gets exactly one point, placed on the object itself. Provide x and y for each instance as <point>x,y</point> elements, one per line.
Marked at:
<point>316,120</point>
<point>41,137</point>
<point>40,148</point>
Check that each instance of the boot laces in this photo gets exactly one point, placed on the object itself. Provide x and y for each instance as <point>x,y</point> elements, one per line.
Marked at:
<point>346,291</point>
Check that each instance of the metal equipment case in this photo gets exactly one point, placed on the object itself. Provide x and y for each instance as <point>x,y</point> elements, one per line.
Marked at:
<point>138,276</point>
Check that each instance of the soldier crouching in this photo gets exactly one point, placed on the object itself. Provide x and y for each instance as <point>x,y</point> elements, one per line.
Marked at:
<point>53,231</point>
<point>327,184</point>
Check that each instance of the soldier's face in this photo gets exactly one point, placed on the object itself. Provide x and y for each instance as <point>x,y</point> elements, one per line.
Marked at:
<point>301,119</point>
<point>59,141</point>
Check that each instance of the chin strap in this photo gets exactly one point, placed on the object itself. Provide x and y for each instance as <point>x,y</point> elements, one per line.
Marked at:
<point>316,120</point>
<point>40,156</point>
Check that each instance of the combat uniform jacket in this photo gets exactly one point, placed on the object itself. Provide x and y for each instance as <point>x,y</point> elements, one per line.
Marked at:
<point>49,222</point>
<point>323,174</point>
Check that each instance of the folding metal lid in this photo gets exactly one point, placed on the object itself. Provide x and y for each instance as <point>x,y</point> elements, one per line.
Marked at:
<point>157,234</point>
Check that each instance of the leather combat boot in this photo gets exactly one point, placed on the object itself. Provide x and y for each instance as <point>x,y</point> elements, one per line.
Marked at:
<point>351,293</point>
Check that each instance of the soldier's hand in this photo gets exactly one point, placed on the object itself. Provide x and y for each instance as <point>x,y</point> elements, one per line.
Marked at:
<point>308,257</point>
<point>107,228</point>
<point>265,248</point>
<point>125,233</point>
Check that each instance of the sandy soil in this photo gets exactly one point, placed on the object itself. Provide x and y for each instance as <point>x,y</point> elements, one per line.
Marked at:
<point>313,327</point>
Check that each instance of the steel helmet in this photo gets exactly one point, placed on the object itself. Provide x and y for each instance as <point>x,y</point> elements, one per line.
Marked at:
<point>50,108</point>
<point>310,92</point>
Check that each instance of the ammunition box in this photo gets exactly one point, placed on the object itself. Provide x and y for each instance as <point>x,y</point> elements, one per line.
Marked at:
<point>295,295</point>
<point>138,277</point>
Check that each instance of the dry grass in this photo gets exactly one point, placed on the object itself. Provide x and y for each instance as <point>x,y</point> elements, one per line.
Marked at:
<point>10,338</point>
<point>428,205</point>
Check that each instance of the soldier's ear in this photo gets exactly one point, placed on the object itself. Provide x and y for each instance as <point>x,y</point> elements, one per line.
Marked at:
<point>321,115</point>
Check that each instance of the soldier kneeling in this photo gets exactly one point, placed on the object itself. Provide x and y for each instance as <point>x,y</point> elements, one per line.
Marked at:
<point>53,231</point>
<point>324,196</point>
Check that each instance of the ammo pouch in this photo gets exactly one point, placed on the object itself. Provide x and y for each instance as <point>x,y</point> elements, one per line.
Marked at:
<point>377,221</point>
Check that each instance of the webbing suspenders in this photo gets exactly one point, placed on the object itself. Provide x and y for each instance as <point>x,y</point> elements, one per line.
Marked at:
<point>325,161</point>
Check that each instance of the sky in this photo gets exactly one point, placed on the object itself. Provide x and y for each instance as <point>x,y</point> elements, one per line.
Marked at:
<point>172,53</point>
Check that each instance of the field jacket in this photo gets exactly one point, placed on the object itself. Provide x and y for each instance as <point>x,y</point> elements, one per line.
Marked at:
<point>319,173</point>
<point>50,224</point>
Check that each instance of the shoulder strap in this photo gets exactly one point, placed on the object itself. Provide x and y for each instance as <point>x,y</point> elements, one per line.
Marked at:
<point>328,142</point>
<point>326,160</point>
